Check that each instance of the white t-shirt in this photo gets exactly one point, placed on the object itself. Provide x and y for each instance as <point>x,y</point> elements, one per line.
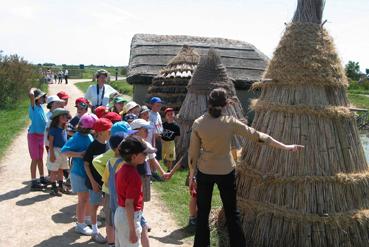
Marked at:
<point>156,123</point>
<point>95,99</point>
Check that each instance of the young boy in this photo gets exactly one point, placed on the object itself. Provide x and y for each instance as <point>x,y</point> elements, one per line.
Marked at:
<point>127,218</point>
<point>102,128</point>
<point>104,163</point>
<point>82,105</point>
<point>170,131</point>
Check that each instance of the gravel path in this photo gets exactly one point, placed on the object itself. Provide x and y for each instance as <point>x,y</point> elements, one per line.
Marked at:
<point>35,219</point>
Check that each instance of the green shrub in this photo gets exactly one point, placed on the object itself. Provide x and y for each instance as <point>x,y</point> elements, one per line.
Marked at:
<point>17,76</point>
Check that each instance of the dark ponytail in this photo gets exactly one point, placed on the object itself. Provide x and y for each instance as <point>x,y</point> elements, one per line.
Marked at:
<point>217,100</point>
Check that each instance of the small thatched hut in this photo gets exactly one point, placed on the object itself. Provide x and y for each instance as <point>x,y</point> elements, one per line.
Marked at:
<point>150,53</point>
<point>318,197</point>
<point>171,82</point>
<point>209,74</point>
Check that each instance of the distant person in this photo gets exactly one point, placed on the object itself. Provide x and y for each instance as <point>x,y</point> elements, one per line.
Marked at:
<point>170,132</point>
<point>99,94</point>
<point>55,77</point>
<point>60,77</point>
<point>66,76</point>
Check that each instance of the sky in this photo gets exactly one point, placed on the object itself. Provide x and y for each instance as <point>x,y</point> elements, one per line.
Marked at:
<point>100,31</point>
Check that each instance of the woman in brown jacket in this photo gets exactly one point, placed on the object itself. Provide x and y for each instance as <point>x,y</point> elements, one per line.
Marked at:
<point>210,157</point>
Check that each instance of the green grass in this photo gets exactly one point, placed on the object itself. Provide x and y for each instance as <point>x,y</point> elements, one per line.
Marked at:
<point>121,85</point>
<point>360,101</point>
<point>176,197</point>
<point>358,91</point>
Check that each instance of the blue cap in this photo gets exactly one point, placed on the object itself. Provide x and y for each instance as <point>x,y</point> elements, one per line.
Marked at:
<point>121,127</point>
<point>154,100</point>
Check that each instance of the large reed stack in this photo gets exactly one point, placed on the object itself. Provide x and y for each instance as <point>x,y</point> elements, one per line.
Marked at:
<point>209,74</point>
<point>317,197</point>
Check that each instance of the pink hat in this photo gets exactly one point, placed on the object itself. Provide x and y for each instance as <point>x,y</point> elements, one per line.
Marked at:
<point>87,121</point>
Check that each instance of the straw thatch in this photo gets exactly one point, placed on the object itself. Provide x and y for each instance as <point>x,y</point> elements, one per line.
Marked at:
<point>171,82</point>
<point>209,74</point>
<point>317,197</point>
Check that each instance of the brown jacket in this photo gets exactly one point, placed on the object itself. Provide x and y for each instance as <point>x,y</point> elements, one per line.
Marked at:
<point>210,144</point>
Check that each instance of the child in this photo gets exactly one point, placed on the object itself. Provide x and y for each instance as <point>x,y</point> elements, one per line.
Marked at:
<point>144,113</point>
<point>170,131</point>
<point>35,136</point>
<point>82,105</point>
<point>102,128</point>
<point>107,165</point>
<point>118,103</point>
<point>127,218</point>
<point>57,161</point>
<point>100,111</point>
<point>52,102</point>
<point>63,96</point>
<point>75,148</point>
<point>129,117</point>
<point>113,117</point>
<point>131,107</point>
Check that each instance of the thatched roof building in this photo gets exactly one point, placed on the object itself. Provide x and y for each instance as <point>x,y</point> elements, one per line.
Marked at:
<point>245,64</point>
<point>171,82</point>
<point>209,74</point>
<point>317,197</point>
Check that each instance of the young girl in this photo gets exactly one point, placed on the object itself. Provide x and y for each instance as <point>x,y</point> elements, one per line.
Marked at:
<point>57,161</point>
<point>118,103</point>
<point>82,105</point>
<point>35,136</point>
<point>75,148</point>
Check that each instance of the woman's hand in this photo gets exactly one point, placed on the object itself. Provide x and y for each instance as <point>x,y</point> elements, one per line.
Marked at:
<point>193,186</point>
<point>294,147</point>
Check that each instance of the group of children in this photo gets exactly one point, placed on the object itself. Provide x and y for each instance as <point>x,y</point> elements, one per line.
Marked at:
<point>110,157</point>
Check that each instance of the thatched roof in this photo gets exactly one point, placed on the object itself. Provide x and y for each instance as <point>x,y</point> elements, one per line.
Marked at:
<point>150,53</point>
<point>316,197</point>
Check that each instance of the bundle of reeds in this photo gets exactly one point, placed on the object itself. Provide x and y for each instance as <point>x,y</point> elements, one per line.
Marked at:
<point>317,197</point>
<point>171,82</point>
<point>209,74</point>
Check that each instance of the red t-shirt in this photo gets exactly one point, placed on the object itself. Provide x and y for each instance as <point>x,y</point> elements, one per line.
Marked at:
<point>128,185</point>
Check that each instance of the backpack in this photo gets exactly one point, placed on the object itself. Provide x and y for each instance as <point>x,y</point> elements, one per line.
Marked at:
<point>112,190</point>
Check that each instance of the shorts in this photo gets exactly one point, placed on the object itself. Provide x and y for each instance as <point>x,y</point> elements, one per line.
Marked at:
<point>146,184</point>
<point>78,183</point>
<point>122,229</point>
<point>107,211</point>
<point>143,221</point>
<point>168,150</point>
<point>61,161</point>
<point>95,197</point>
<point>36,146</point>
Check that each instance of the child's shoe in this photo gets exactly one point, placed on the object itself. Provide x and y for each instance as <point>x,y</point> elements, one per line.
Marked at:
<point>36,186</point>
<point>83,229</point>
<point>99,238</point>
<point>64,190</point>
<point>55,192</point>
<point>44,181</point>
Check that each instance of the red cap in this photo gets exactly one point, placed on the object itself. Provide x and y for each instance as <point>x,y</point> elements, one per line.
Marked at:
<point>102,124</point>
<point>168,110</point>
<point>113,116</point>
<point>101,111</point>
<point>82,100</point>
<point>63,95</point>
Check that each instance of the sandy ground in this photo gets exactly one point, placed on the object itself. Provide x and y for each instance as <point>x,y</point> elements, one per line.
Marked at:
<point>36,219</point>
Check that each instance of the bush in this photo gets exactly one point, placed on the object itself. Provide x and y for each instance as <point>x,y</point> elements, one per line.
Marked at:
<point>17,76</point>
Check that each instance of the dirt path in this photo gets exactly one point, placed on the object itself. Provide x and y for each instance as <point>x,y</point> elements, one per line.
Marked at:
<point>34,219</point>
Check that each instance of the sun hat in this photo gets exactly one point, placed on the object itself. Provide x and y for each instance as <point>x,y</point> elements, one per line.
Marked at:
<point>58,112</point>
<point>82,102</point>
<point>144,109</point>
<point>53,98</point>
<point>63,95</point>
<point>101,72</point>
<point>140,123</point>
<point>154,100</point>
<point>168,110</point>
<point>116,139</point>
<point>88,120</point>
<point>113,117</point>
<point>129,106</point>
<point>101,111</point>
<point>102,124</point>
<point>129,117</point>
<point>37,93</point>
<point>122,127</point>
<point>119,99</point>
<point>133,145</point>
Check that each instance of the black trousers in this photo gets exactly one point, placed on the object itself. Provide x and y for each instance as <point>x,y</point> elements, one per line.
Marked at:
<point>227,188</point>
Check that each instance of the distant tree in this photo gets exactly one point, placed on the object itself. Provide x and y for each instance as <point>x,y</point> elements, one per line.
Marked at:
<point>353,70</point>
<point>367,72</point>
<point>123,70</point>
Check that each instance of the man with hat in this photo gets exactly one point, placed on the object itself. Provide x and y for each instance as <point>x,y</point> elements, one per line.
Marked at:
<point>99,94</point>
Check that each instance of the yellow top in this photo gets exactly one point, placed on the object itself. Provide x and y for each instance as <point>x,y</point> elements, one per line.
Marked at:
<point>210,143</point>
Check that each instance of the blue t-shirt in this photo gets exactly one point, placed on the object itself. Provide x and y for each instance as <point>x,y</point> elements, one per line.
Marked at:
<point>78,143</point>
<point>38,119</point>
<point>60,136</point>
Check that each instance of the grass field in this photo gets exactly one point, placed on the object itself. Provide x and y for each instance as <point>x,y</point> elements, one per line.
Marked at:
<point>176,197</point>
<point>359,100</point>
<point>121,85</point>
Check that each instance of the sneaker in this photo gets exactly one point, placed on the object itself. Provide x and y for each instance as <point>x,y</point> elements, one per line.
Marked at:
<point>83,229</point>
<point>55,192</point>
<point>89,223</point>
<point>45,181</point>
<point>98,238</point>
<point>64,190</point>
<point>36,186</point>
<point>192,221</point>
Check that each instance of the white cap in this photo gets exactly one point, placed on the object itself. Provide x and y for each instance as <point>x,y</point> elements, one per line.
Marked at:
<point>129,106</point>
<point>53,98</point>
<point>140,123</point>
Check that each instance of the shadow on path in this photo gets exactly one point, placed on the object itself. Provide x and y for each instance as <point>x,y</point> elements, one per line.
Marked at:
<point>176,236</point>
<point>65,216</point>
<point>14,193</point>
